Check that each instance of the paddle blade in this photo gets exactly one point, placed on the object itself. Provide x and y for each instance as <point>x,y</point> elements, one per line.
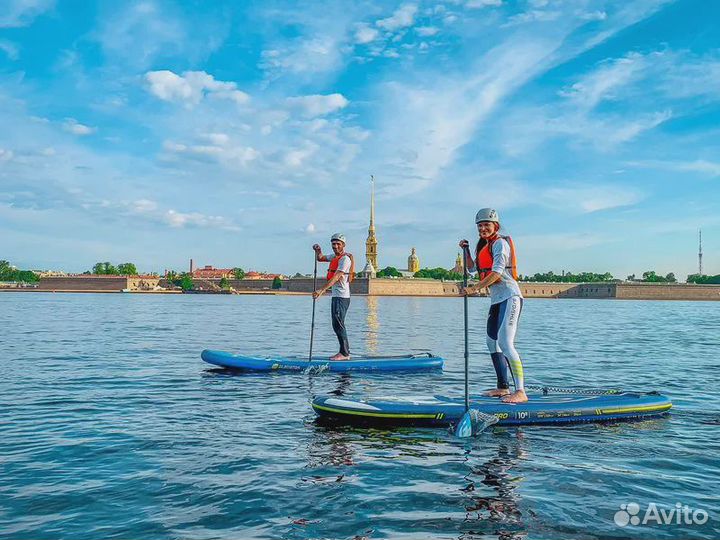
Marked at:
<point>473,422</point>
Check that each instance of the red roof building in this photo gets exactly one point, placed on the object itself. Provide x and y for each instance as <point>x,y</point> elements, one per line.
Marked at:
<point>208,272</point>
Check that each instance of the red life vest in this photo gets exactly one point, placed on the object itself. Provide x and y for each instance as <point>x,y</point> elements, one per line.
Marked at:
<point>334,266</point>
<point>484,258</point>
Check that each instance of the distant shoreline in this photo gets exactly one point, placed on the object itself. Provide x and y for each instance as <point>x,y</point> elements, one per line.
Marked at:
<point>558,291</point>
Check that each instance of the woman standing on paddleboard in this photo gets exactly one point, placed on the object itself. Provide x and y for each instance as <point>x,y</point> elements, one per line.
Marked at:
<point>496,266</point>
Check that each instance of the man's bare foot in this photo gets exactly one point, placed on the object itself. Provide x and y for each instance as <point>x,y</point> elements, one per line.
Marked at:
<point>496,392</point>
<point>339,356</point>
<point>516,397</point>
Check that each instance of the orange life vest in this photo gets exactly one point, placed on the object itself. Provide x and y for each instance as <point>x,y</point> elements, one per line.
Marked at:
<point>334,266</point>
<point>484,259</point>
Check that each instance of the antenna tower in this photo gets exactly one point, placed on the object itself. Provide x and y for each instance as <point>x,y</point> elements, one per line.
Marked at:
<point>700,271</point>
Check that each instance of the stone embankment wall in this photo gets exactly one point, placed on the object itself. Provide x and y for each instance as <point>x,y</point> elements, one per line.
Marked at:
<point>83,283</point>
<point>667,291</point>
<point>97,283</point>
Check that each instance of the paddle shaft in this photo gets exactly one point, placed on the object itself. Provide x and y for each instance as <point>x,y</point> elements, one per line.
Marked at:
<point>466,254</point>
<point>312,323</point>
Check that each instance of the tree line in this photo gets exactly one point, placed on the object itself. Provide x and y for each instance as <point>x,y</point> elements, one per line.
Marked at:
<point>650,276</point>
<point>108,269</point>
<point>9,273</point>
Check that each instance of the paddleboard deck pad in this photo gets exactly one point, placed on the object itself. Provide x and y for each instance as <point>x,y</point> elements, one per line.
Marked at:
<point>410,362</point>
<point>441,411</point>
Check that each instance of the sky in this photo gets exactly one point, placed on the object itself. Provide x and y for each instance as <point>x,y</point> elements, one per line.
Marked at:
<point>241,133</point>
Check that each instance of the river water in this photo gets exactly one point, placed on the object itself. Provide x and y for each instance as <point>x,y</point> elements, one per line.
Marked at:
<point>112,426</point>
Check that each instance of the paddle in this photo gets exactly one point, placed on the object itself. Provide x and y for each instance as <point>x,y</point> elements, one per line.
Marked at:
<point>473,421</point>
<point>312,324</point>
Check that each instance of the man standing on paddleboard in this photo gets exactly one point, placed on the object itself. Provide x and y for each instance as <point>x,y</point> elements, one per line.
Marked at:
<point>339,276</point>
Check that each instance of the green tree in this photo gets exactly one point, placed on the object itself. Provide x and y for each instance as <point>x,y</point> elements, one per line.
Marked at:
<point>568,277</point>
<point>26,276</point>
<point>277,282</point>
<point>104,269</point>
<point>239,273</point>
<point>127,269</point>
<point>8,273</point>
<point>224,283</point>
<point>389,271</point>
<point>186,283</point>
<point>438,273</point>
<point>703,280</point>
<point>670,278</point>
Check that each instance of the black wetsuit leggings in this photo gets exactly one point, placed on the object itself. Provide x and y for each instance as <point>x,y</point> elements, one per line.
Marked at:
<point>338,309</point>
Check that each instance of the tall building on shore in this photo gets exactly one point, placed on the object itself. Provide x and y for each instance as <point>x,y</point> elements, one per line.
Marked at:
<point>413,262</point>
<point>371,244</point>
<point>458,264</point>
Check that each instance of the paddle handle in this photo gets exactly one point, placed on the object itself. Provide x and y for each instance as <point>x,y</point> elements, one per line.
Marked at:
<point>312,323</point>
<point>466,254</point>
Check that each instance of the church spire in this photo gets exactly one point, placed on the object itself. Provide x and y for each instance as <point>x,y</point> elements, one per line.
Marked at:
<point>371,242</point>
<point>372,203</point>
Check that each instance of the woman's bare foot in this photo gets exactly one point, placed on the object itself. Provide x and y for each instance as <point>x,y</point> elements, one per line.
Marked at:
<point>496,392</point>
<point>339,356</point>
<point>516,397</point>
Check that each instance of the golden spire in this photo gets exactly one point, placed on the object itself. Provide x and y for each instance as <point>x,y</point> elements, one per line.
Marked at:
<point>372,203</point>
<point>371,242</point>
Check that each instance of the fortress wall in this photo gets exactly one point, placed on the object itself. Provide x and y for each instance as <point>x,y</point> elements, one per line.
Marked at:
<point>667,291</point>
<point>83,283</point>
<point>305,285</point>
<point>567,290</point>
<point>142,283</point>
<point>408,287</point>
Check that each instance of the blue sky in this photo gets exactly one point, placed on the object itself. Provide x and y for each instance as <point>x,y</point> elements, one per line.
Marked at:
<point>241,133</point>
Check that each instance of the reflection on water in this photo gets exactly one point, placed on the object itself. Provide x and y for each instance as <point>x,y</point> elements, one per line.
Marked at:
<point>499,508</point>
<point>373,325</point>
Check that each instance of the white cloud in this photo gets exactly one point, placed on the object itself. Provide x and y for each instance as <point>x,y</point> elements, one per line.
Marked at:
<point>426,31</point>
<point>474,4</point>
<point>226,153</point>
<point>296,158</point>
<point>18,13</point>
<point>10,49</point>
<point>73,126</point>
<point>310,228</point>
<point>599,85</point>
<point>138,33</point>
<point>306,55</point>
<point>6,155</point>
<point>218,139</point>
<point>318,105</point>
<point>588,199</point>
<point>403,17</point>
<point>364,33</point>
<point>702,166</point>
<point>594,16</point>
<point>142,206</point>
<point>192,87</point>
<point>150,210</point>
<point>195,219</point>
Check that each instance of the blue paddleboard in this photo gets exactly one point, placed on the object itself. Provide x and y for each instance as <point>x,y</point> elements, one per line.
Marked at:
<point>441,411</point>
<point>410,362</point>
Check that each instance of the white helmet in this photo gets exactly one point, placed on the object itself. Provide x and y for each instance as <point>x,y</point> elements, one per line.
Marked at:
<point>339,237</point>
<point>487,214</point>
